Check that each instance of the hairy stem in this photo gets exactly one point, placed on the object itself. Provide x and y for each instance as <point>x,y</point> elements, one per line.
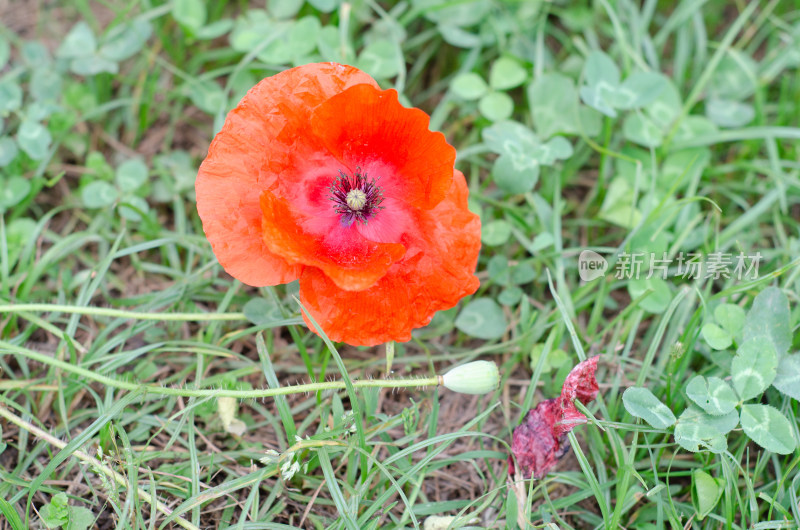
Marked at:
<point>119,313</point>
<point>215,392</point>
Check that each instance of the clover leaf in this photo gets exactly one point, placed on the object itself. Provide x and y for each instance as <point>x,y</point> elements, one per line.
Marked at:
<point>553,100</point>
<point>706,492</point>
<point>787,379</point>
<point>696,430</point>
<point>770,318</point>
<point>713,395</point>
<point>729,321</point>
<point>506,73</point>
<point>521,152</point>
<point>767,427</point>
<point>642,403</point>
<point>482,318</point>
<point>754,367</point>
<point>58,513</point>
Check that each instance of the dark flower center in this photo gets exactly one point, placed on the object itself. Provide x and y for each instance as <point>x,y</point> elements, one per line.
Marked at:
<point>356,198</point>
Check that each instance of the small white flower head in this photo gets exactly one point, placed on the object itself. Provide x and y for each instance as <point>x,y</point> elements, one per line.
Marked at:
<point>349,422</point>
<point>271,457</point>
<point>288,469</point>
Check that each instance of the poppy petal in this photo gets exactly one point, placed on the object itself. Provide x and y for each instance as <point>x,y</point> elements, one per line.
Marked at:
<point>239,162</point>
<point>426,280</point>
<point>367,128</point>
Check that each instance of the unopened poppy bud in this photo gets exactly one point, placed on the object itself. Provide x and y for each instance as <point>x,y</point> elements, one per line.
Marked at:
<point>477,377</point>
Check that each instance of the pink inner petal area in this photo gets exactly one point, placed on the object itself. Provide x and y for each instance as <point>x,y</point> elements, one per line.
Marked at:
<point>369,128</point>
<point>318,239</point>
<point>388,225</point>
<point>436,271</point>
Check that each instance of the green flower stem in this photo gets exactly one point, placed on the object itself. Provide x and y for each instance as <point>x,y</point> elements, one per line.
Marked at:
<point>95,464</point>
<point>6,347</point>
<point>120,313</point>
<point>389,357</point>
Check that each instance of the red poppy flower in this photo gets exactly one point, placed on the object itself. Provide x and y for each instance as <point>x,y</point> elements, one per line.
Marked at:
<point>319,175</point>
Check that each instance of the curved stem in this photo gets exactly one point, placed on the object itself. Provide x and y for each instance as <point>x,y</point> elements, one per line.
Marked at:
<point>216,392</point>
<point>119,313</point>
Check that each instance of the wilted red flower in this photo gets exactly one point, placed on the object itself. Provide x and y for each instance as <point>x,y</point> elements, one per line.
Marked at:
<point>319,175</point>
<point>540,440</point>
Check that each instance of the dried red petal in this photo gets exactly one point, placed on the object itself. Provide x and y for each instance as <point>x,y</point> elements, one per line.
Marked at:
<point>540,440</point>
<point>580,384</point>
<point>533,444</point>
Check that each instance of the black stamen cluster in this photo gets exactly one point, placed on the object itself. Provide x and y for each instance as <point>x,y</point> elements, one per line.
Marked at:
<point>344,184</point>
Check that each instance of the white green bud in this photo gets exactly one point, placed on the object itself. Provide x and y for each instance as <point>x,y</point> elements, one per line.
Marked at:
<point>477,377</point>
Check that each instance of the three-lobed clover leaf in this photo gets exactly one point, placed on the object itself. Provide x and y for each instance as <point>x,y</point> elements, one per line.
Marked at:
<point>604,91</point>
<point>522,153</point>
<point>729,319</point>
<point>696,430</point>
<point>86,56</point>
<point>761,360</point>
<point>493,103</point>
<point>130,178</point>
